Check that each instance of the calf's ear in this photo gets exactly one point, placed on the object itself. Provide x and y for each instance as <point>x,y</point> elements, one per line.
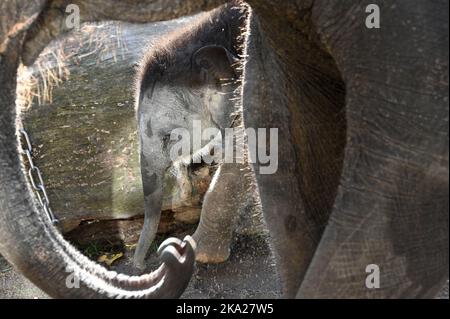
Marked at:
<point>215,65</point>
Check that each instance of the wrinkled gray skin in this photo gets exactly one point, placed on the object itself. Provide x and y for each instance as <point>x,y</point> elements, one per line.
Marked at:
<point>363,142</point>
<point>193,76</point>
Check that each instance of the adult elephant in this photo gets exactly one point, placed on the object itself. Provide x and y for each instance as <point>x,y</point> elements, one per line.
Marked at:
<point>363,150</point>
<point>363,125</point>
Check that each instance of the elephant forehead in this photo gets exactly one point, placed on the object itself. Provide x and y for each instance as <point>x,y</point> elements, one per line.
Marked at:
<point>164,97</point>
<point>176,99</point>
<point>171,107</point>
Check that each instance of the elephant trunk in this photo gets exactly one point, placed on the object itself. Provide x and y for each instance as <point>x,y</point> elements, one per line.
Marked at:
<point>42,254</point>
<point>152,182</point>
<point>35,248</point>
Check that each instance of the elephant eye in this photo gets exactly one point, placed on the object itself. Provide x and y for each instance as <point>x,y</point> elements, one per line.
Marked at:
<point>166,140</point>
<point>205,64</point>
<point>151,90</point>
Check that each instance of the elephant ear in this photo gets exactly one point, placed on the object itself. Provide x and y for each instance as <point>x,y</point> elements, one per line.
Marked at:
<point>215,65</point>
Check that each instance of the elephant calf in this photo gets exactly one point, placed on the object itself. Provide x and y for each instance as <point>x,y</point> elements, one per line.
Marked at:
<point>193,76</point>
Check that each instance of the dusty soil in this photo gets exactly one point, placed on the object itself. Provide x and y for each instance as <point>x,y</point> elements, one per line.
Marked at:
<point>249,273</point>
<point>14,285</point>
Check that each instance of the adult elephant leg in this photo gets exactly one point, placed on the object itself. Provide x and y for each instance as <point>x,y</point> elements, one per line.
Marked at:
<point>392,206</point>
<point>296,89</point>
<point>219,215</point>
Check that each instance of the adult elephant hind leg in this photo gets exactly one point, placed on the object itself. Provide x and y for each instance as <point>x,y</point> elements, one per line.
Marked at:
<point>391,211</point>
<point>300,93</point>
<point>219,214</point>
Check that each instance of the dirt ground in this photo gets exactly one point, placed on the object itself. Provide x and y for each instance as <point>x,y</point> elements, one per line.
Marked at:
<point>249,273</point>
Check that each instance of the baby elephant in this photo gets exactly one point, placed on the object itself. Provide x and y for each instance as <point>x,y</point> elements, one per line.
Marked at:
<point>192,78</point>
